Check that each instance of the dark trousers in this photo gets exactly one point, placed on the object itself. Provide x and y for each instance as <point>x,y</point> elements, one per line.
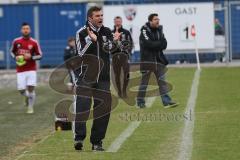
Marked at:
<point>100,94</point>
<point>120,62</point>
<point>163,87</point>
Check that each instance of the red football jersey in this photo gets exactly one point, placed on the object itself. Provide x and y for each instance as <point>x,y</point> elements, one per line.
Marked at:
<point>21,46</point>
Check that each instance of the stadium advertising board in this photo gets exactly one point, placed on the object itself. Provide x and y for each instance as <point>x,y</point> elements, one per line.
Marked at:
<point>177,20</point>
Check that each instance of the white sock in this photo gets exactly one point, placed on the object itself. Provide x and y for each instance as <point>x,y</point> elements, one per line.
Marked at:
<point>31,99</point>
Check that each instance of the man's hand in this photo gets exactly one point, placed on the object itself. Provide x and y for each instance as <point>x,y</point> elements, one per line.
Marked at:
<point>117,35</point>
<point>91,35</point>
<point>17,58</point>
<point>20,61</point>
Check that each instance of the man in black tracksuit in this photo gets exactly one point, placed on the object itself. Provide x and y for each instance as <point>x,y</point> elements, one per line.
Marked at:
<point>121,57</point>
<point>152,43</point>
<point>69,52</point>
<point>93,80</point>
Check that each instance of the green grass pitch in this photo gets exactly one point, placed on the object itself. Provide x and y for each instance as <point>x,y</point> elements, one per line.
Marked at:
<point>215,136</point>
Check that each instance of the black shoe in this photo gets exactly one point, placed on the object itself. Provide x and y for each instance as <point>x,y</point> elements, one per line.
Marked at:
<point>78,145</point>
<point>141,105</point>
<point>97,147</point>
<point>171,105</point>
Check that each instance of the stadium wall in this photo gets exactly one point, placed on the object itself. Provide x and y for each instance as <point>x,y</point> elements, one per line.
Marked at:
<point>58,21</point>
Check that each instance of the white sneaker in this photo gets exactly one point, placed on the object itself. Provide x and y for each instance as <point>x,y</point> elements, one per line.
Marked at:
<point>30,111</point>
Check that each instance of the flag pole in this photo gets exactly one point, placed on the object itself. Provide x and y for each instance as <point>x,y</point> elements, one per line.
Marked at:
<point>193,33</point>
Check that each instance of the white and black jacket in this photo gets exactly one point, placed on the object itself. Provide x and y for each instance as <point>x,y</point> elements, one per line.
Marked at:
<point>85,46</point>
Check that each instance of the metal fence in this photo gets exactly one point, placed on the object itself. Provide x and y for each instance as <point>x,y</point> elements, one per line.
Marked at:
<point>234,23</point>
<point>53,51</point>
<point>228,13</point>
<point>5,58</point>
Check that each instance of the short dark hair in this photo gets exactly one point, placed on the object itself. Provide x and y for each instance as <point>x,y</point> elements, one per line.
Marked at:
<point>25,24</point>
<point>150,17</point>
<point>117,17</point>
<point>70,39</point>
<point>93,9</point>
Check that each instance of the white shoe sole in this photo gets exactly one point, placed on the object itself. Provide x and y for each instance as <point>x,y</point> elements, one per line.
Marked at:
<point>171,106</point>
<point>30,111</point>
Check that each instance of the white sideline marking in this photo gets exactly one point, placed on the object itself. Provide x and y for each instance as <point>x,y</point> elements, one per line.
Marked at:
<point>149,101</point>
<point>187,140</point>
<point>117,143</point>
<point>45,138</point>
<point>115,146</point>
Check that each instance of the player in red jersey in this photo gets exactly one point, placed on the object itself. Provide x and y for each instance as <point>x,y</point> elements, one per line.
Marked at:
<point>25,50</point>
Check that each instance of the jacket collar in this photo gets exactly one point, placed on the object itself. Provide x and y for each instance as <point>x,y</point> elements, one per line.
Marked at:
<point>26,38</point>
<point>92,27</point>
<point>152,29</point>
